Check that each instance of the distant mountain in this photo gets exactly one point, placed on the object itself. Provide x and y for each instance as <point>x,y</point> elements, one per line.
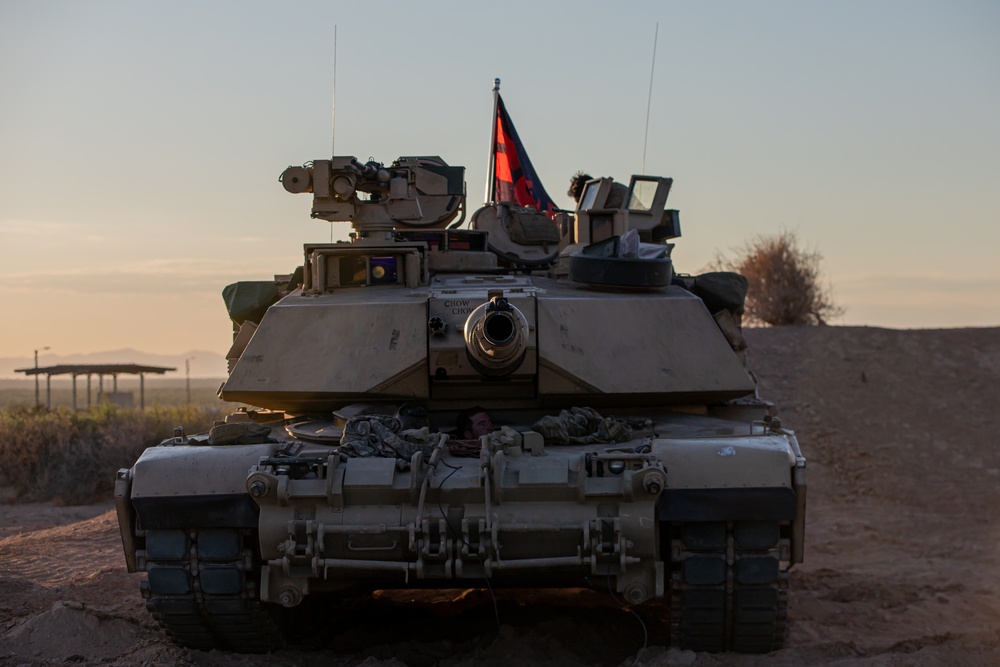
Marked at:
<point>204,364</point>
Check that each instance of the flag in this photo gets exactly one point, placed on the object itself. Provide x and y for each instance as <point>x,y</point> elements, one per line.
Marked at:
<point>514,179</point>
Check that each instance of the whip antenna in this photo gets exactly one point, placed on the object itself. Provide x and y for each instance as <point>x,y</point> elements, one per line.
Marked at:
<point>649,100</point>
<point>333,109</point>
<point>333,103</point>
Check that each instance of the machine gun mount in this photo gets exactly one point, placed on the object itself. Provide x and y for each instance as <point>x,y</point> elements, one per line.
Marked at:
<point>412,192</point>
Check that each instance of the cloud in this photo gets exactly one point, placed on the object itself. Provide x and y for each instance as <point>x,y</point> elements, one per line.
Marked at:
<point>932,280</point>
<point>919,299</point>
<point>49,231</point>
<point>38,227</point>
<point>153,276</point>
<point>917,287</point>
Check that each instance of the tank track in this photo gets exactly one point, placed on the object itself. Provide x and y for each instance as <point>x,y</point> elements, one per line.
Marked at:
<point>202,588</point>
<point>728,591</point>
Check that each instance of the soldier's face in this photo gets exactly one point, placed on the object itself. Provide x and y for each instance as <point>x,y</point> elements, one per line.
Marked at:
<point>481,424</point>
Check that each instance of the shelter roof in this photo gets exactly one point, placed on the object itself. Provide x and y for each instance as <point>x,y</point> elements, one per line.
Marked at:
<point>94,369</point>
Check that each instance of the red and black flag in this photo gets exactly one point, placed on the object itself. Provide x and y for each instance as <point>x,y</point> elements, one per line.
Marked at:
<point>514,179</point>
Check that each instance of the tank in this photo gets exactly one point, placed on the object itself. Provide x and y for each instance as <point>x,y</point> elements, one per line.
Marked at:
<point>515,401</point>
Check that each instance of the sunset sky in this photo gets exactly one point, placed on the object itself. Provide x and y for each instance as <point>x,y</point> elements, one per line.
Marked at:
<point>140,142</point>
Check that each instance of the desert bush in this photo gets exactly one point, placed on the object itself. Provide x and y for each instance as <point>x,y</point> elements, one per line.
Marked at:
<point>784,281</point>
<point>71,457</point>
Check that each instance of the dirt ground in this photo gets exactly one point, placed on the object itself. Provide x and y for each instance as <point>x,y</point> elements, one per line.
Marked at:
<point>902,560</point>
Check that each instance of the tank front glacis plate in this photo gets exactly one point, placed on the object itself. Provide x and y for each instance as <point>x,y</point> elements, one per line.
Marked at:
<point>519,520</point>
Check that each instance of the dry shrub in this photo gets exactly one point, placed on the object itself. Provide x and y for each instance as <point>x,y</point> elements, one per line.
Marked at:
<point>71,457</point>
<point>784,282</point>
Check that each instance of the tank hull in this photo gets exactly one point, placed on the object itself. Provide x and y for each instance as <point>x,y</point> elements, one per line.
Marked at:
<point>695,507</point>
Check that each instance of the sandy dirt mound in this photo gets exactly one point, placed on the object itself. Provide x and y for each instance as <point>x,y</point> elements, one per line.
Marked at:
<point>902,550</point>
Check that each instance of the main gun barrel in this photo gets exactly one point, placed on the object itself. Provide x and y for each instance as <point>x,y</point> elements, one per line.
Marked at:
<point>496,337</point>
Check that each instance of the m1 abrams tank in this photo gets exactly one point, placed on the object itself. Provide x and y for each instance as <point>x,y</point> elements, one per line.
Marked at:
<point>634,456</point>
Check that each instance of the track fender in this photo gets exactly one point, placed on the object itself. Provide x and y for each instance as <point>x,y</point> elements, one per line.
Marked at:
<point>196,486</point>
<point>728,478</point>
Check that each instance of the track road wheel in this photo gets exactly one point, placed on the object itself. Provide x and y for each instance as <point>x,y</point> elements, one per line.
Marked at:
<point>727,589</point>
<point>202,588</point>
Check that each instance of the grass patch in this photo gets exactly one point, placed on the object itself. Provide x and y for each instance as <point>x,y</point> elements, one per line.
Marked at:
<point>72,457</point>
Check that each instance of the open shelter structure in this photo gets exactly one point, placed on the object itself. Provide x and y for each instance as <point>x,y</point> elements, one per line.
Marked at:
<point>100,370</point>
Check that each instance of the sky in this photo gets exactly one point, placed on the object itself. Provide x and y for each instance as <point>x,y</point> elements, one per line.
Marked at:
<point>141,142</point>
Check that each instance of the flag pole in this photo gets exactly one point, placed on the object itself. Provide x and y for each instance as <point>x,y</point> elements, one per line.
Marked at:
<point>491,181</point>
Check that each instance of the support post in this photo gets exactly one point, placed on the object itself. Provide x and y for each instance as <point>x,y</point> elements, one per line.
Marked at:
<point>74,392</point>
<point>142,391</point>
<point>48,391</point>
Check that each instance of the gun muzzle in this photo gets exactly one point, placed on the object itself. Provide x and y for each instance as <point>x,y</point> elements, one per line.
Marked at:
<point>496,337</point>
